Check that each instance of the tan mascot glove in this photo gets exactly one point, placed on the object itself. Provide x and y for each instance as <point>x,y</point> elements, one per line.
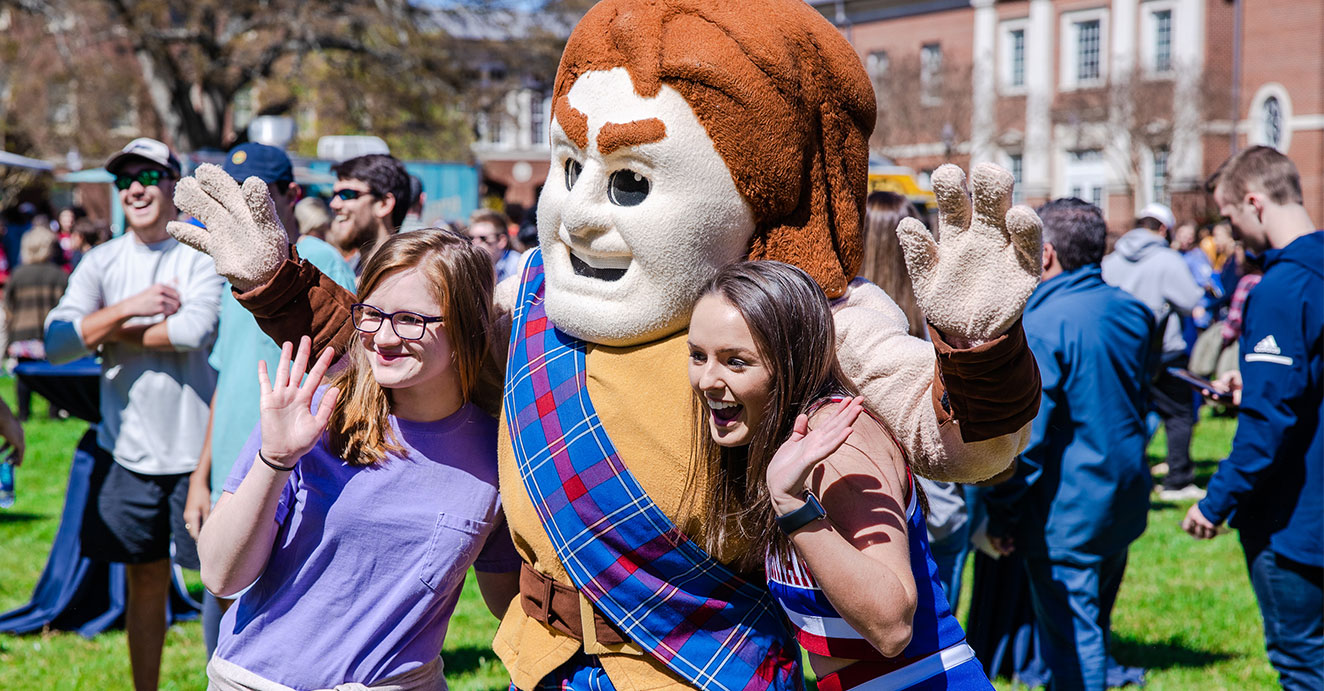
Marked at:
<point>243,235</point>
<point>974,283</point>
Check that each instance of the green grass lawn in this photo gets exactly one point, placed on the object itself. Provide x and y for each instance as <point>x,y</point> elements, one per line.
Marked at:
<point>1185,612</point>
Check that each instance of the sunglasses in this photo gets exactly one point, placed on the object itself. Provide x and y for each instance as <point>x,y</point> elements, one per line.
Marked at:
<point>409,326</point>
<point>346,195</point>
<point>147,178</point>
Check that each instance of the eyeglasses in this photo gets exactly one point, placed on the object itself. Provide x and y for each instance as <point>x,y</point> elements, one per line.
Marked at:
<point>408,326</point>
<point>485,239</point>
<point>147,177</point>
<point>348,194</point>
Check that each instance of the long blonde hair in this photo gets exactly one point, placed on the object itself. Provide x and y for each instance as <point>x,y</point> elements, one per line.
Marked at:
<point>461,280</point>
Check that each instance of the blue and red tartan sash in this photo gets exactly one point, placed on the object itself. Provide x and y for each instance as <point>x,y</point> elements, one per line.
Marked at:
<point>703,621</point>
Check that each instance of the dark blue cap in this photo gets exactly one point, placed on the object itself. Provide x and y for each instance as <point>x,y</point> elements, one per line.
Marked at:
<point>265,162</point>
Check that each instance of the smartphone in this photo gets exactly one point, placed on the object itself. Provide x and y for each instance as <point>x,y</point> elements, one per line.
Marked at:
<point>1200,384</point>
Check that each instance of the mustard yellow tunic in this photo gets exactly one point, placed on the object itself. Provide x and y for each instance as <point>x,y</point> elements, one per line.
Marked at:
<point>650,419</point>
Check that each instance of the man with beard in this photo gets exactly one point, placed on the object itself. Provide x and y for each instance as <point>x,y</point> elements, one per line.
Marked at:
<point>370,201</point>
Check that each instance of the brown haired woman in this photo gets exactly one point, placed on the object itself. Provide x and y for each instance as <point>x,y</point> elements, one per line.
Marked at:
<point>356,509</point>
<point>853,572</point>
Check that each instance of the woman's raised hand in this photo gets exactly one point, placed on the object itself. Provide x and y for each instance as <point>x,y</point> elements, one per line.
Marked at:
<point>795,460</point>
<point>289,427</point>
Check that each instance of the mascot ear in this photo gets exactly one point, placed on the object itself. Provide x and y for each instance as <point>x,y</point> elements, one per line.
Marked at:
<point>825,236</point>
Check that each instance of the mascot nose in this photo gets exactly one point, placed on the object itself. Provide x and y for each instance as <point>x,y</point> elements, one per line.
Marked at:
<point>587,211</point>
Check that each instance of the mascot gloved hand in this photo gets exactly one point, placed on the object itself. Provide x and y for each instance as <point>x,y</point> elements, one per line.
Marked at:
<point>972,285</point>
<point>242,234</point>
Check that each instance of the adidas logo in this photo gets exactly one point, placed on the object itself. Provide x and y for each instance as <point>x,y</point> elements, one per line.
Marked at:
<point>1267,351</point>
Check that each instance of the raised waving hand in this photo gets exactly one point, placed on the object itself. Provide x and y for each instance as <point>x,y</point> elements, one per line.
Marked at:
<point>790,468</point>
<point>243,235</point>
<point>972,283</point>
<point>290,427</point>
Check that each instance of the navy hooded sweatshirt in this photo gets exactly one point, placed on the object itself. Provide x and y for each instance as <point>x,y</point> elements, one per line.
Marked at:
<point>1272,483</point>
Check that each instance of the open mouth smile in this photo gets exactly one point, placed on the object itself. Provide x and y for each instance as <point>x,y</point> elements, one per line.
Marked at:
<point>582,268</point>
<point>724,412</point>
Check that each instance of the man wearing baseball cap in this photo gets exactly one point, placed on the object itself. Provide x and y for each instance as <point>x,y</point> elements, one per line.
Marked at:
<point>149,305</point>
<point>240,345</point>
<point>1144,265</point>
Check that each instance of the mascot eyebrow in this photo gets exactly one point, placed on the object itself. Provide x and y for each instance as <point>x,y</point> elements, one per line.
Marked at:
<point>615,135</point>
<point>572,121</point>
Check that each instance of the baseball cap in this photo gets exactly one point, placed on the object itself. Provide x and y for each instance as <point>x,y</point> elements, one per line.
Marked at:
<point>147,149</point>
<point>1159,212</point>
<point>267,163</point>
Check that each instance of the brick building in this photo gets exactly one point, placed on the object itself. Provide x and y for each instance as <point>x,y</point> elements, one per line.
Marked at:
<point>1120,102</point>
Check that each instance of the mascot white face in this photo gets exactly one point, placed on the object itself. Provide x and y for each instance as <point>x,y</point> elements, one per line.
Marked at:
<point>635,217</point>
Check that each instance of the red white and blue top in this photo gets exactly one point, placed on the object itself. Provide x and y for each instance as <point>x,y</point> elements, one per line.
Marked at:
<point>937,657</point>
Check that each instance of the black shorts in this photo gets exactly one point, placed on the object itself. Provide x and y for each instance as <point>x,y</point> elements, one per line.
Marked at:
<point>131,517</point>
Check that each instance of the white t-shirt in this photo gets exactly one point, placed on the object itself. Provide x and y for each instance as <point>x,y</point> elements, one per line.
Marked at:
<point>153,402</point>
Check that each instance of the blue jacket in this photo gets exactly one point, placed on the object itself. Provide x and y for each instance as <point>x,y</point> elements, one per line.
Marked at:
<point>1081,488</point>
<point>1273,481</point>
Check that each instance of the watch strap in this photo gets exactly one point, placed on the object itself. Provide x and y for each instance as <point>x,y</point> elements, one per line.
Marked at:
<point>803,516</point>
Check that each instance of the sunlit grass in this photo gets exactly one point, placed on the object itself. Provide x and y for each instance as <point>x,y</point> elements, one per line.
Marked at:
<point>1185,611</point>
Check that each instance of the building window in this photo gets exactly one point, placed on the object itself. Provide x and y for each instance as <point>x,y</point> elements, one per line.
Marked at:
<point>1160,168</point>
<point>1088,50</point>
<point>1271,122</point>
<point>1017,58</point>
<point>930,73</point>
<point>1163,41</point>
<point>1017,165</point>
<point>876,64</point>
<point>537,118</point>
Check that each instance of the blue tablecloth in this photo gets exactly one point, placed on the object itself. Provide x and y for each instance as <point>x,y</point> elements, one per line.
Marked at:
<point>75,593</point>
<point>74,386</point>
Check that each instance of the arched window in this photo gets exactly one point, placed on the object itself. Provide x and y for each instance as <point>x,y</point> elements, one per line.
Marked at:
<point>1271,122</point>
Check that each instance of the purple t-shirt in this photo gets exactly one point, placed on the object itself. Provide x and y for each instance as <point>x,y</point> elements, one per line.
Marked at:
<point>369,561</point>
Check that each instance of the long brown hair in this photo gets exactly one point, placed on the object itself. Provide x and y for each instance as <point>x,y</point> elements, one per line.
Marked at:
<point>791,322</point>
<point>461,280</point>
<point>884,265</point>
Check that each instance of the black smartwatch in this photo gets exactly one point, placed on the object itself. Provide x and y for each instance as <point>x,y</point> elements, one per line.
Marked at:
<point>803,516</point>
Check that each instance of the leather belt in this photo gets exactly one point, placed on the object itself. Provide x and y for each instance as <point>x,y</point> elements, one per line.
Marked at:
<point>558,606</point>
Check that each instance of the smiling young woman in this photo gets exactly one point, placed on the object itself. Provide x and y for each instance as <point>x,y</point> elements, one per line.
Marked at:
<point>853,572</point>
<point>369,498</point>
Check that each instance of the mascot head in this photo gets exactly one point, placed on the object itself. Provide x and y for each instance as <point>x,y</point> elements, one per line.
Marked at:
<point>688,134</point>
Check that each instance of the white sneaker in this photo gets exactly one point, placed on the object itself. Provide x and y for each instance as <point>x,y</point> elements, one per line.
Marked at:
<point>1187,493</point>
<point>1160,469</point>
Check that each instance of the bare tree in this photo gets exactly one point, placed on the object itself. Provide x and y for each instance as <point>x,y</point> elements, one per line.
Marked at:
<point>920,103</point>
<point>1138,115</point>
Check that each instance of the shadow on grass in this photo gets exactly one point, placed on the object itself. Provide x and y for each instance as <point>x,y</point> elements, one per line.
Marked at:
<point>20,517</point>
<point>466,658</point>
<point>1162,654</point>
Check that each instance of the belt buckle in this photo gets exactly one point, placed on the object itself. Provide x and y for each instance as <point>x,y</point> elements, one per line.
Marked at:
<point>588,628</point>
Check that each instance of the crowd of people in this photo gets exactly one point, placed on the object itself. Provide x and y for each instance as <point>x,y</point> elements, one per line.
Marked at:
<point>290,477</point>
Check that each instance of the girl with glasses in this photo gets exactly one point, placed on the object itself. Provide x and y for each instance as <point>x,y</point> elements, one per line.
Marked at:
<point>357,507</point>
<point>823,494</point>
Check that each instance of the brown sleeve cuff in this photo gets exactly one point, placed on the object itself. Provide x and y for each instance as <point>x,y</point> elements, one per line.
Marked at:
<point>992,388</point>
<point>301,300</point>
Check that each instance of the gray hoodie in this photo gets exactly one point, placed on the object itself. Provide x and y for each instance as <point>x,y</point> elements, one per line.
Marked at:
<point>1143,265</point>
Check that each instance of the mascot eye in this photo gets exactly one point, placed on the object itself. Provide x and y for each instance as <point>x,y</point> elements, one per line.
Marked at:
<point>627,188</point>
<point>572,170</point>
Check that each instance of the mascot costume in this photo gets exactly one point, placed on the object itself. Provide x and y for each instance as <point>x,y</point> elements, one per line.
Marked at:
<point>687,134</point>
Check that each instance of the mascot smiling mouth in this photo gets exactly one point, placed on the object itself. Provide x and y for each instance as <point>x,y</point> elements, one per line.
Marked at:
<point>583,268</point>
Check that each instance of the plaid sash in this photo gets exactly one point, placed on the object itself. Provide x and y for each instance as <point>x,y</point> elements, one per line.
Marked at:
<point>668,595</point>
